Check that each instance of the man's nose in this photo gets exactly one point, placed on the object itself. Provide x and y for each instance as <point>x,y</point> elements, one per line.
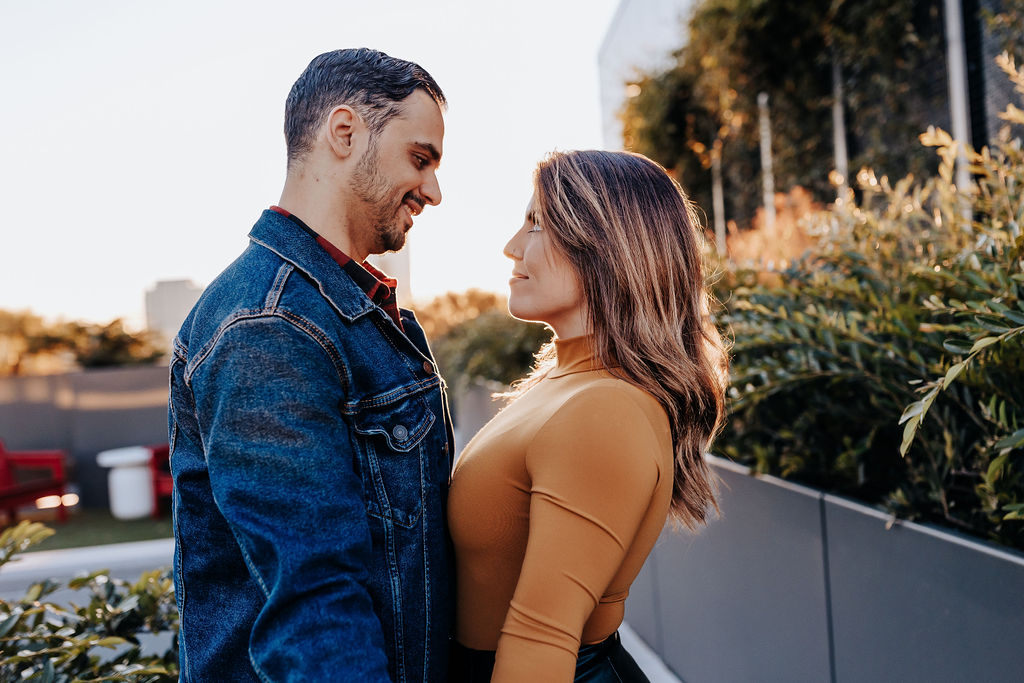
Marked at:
<point>432,190</point>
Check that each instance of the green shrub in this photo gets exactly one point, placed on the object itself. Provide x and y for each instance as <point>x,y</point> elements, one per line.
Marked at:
<point>491,346</point>
<point>49,643</point>
<point>913,286</point>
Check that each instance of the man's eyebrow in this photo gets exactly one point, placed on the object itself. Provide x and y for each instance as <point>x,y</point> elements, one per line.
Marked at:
<point>429,149</point>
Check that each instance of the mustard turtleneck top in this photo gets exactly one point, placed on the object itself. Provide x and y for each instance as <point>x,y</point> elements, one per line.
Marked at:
<point>554,506</point>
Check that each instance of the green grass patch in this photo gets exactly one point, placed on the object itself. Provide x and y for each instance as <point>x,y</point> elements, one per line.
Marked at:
<point>87,527</point>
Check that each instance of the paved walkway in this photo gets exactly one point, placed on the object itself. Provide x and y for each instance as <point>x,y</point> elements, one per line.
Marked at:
<point>129,560</point>
<point>124,560</point>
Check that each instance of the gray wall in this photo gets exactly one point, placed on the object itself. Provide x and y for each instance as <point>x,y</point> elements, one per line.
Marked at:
<point>84,413</point>
<point>791,584</point>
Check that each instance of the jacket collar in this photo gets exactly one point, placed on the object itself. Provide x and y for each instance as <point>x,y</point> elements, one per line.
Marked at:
<point>286,239</point>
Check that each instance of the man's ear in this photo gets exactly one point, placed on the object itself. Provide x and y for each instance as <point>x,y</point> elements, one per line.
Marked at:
<point>341,123</point>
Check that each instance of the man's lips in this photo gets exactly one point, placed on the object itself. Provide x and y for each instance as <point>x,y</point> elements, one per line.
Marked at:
<point>414,204</point>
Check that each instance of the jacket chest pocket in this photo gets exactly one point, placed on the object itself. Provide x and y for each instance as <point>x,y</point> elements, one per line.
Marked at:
<point>391,436</point>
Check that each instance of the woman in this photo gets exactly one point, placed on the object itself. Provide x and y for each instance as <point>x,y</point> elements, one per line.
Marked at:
<point>556,503</point>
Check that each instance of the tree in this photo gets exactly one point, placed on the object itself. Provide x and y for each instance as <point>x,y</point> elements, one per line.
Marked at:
<point>442,313</point>
<point>25,337</point>
<point>891,61</point>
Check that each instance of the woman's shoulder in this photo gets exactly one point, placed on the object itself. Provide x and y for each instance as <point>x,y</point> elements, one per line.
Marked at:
<point>613,406</point>
<point>609,423</point>
<point>605,389</point>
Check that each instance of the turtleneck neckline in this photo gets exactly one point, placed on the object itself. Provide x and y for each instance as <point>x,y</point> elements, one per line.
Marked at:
<point>575,354</point>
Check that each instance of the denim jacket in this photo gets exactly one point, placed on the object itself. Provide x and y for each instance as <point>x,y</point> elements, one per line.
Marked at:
<point>310,447</point>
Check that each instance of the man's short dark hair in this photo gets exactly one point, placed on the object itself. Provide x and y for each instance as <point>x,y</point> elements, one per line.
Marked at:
<point>369,81</point>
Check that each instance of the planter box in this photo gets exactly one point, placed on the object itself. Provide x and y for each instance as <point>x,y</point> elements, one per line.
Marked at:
<point>792,584</point>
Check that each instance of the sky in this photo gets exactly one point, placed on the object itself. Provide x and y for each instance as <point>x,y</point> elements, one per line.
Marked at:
<point>140,141</point>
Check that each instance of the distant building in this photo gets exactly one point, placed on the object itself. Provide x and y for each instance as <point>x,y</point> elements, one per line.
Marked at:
<point>642,36</point>
<point>168,304</point>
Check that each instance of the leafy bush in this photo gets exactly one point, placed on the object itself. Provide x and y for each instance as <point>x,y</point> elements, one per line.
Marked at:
<point>42,641</point>
<point>492,346</point>
<point>913,304</point>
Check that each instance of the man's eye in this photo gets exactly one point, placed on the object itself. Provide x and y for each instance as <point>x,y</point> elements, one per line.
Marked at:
<point>421,162</point>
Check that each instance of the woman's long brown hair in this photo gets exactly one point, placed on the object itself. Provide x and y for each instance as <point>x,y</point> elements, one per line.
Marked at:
<point>631,236</point>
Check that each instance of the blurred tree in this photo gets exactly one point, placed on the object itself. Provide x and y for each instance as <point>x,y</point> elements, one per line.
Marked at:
<point>442,313</point>
<point>475,339</point>
<point>491,346</point>
<point>738,48</point>
<point>109,345</point>
<point>26,337</point>
<point>1007,25</point>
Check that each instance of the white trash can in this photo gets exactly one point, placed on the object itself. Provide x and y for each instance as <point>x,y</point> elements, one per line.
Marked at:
<point>129,482</point>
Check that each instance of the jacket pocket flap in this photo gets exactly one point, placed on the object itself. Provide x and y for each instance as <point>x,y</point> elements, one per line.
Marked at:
<point>402,423</point>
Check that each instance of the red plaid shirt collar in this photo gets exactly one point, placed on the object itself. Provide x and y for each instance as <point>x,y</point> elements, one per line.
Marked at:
<point>378,286</point>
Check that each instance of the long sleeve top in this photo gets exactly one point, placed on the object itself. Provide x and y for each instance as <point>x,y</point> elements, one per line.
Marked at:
<point>554,506</point>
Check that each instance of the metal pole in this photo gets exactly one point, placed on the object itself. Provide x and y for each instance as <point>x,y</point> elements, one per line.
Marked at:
<point>959,113</point>
<point>717,198</point>
<point>768,178</point>
<point>839,128</point>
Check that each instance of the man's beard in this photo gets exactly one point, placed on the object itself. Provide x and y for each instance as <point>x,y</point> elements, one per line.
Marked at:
<point>370,185</point>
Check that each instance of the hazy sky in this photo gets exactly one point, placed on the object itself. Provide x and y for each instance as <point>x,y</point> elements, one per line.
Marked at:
<point>140,141</point>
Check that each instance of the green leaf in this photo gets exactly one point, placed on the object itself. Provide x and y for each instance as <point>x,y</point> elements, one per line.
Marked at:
<point>984,342</point>
<point>33,592</point>
<point>110,641</point>
<point>991,324</point>
<point>48,672</point>
<point>957,346</point>
<point>1014,440</point>
<point>953,372</point>
<point>915,409</point>
<point>1015,511</point>
<point>995,468</point>
<point>908,434</point>
<point>1016,317</point>
<point>9,622</point>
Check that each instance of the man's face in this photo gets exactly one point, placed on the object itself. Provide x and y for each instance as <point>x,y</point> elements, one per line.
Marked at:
<point>396,176</point>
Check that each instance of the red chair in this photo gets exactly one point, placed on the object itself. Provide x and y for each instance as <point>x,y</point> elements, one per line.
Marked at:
<point>28,475</point>
<point>160,472</point>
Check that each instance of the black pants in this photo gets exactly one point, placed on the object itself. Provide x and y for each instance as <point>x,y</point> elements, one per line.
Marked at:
<point>604,662</point>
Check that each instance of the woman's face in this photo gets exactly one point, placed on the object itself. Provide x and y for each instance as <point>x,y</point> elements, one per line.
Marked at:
<point>543,287</point>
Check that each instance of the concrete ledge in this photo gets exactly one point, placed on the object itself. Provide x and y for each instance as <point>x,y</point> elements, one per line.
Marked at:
<point>124,560</point>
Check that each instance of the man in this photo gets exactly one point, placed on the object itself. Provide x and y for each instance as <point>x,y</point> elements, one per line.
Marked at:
<point>309,430</point>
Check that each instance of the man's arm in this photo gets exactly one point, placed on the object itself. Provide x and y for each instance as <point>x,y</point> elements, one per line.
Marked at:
<point>281,468</point>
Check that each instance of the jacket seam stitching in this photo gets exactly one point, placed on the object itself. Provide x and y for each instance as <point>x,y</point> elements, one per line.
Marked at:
<point>320,286</point>
<point>297,322</point>
<point>276,289</point>
<point>392,396</point>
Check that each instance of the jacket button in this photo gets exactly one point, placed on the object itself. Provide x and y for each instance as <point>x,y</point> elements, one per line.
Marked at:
<point>400,432</point>
<point>428,367</point>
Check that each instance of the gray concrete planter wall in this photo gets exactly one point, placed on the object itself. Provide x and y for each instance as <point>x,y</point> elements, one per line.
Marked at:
<point>792,584</point>
<point>84,413</point>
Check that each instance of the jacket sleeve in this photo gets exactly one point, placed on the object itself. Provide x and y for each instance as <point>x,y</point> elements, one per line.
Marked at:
<point>593,474</point>
<point>282,470</point>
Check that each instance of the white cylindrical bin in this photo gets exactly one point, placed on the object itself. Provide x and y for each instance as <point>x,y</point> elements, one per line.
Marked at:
<point>129,482</point>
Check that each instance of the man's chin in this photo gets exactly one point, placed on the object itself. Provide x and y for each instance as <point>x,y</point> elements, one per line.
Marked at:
<point>392,240</point>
